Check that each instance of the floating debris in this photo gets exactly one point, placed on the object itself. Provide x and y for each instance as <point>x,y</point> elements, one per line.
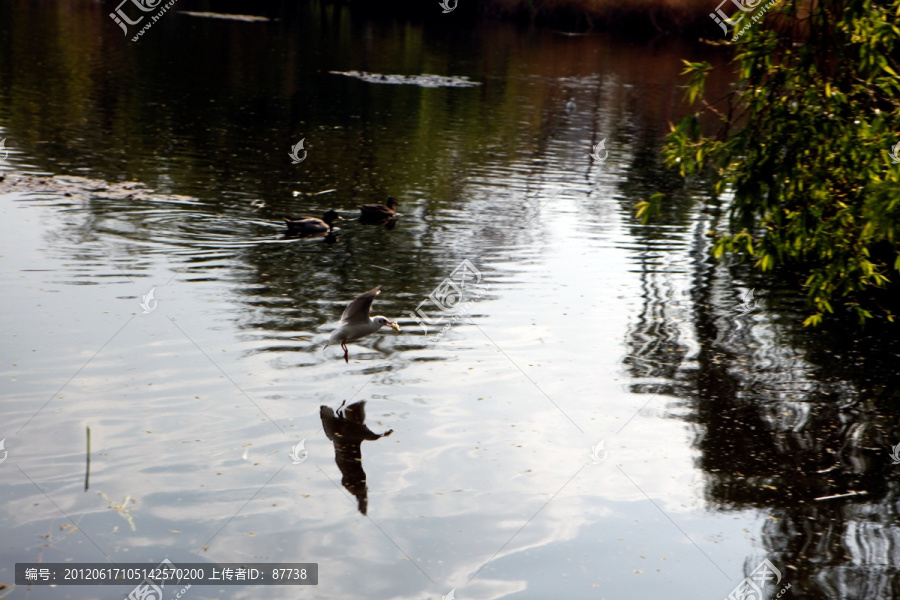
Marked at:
<point>87,469</point>
<point>212,15</point>
<point>424,80</point>
<point>82,188</point>
<point>849,494</point>
<point>122,508</point>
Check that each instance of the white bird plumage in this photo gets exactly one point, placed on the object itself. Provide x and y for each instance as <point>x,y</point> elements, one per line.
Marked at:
<point>356,322</point>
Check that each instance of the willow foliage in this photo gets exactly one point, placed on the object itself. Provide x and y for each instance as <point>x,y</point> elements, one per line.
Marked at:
<point>805,148</point>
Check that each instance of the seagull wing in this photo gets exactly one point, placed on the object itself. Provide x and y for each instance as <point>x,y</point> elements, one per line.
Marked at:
<point>358,310</point>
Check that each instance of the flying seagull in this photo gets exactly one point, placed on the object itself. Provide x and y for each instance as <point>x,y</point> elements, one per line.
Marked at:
<point>356,322</point>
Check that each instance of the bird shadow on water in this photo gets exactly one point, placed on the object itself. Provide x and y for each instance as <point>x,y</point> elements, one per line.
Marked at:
<point>346,428</point>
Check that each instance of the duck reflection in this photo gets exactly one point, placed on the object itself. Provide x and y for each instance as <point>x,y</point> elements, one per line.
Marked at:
<point>329,238</point>
<point>388,222</point>
<point>346,428</point>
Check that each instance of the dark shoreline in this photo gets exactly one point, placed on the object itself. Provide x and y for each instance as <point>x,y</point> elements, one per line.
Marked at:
<point>689,18</point>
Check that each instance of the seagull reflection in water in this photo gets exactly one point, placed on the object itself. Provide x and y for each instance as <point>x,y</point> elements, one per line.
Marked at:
<point>347,430</point>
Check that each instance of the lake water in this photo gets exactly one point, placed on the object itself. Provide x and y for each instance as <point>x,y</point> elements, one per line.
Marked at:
<point>610,416</point>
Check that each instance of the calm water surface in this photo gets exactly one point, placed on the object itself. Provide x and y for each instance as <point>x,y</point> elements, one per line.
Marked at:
<point>604,422</point>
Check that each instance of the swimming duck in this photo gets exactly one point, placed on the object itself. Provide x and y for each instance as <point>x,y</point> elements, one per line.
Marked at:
<point>312,224</point>
<point>378,212</point>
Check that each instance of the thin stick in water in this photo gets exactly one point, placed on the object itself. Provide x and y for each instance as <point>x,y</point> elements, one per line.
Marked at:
<point>87,472</point>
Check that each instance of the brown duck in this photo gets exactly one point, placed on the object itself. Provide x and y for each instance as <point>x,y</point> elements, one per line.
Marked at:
<point>378,213</point>
<point>311,224</point>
